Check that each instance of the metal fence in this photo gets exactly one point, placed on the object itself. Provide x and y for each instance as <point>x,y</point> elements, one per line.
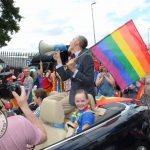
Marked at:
<point>16,59</point>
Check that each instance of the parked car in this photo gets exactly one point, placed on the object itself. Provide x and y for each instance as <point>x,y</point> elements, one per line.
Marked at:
<point>121,126</point>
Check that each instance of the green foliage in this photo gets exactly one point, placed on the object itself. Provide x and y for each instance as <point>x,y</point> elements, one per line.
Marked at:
<point>9,19</point>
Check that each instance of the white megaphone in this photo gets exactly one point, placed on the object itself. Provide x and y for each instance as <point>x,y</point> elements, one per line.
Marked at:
<point>44,47</point>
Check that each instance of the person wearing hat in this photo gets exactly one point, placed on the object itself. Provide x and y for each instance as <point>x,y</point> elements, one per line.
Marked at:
<point>13,77</point>
<point>37,76</point>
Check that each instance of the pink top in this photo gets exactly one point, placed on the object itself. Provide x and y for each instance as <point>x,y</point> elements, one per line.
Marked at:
<point>19,133</point>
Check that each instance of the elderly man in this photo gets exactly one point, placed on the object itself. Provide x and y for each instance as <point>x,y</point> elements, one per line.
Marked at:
<point>80,70</point>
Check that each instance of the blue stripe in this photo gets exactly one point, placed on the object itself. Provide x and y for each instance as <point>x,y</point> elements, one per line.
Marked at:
<point>114,60</point>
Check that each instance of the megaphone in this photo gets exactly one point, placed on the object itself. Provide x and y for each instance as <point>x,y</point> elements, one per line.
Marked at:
<point>44,47</point>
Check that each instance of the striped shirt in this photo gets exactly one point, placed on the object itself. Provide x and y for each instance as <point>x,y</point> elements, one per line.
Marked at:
<point>37,112</point>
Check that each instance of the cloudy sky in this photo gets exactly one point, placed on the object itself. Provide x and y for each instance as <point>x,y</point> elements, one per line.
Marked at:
<point>58,21</point>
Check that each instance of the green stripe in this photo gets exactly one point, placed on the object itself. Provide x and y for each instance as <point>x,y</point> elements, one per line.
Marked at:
<point>121,57</point>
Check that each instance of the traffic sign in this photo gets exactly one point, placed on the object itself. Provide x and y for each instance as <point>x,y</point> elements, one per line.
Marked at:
<point>27,62</point>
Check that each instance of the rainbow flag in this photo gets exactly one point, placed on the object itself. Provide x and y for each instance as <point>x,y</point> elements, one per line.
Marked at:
<point>57,83</point>
<point>124,54</point>
<point>140,91</point>
<point>102,100</point>
<point>14,102</point>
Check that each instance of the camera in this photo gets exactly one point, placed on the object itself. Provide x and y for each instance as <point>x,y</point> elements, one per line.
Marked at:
<point>6,87</point>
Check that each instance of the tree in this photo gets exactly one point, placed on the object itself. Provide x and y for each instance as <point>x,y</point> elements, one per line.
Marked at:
<point>9,19</point>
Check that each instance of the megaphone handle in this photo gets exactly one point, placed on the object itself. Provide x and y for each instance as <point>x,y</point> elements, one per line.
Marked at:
<point>81,55</point>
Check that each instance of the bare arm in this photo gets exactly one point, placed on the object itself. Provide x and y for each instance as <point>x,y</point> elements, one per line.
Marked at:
<point>110,79</point>
<point>98,80</point>
<point>132,87</point>
<point>40,71</point>
<point>21,100</point>
<point>85,126</point>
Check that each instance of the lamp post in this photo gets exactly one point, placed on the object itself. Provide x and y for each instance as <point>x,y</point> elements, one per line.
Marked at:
<point>93,22</point>
<point>148,39</point>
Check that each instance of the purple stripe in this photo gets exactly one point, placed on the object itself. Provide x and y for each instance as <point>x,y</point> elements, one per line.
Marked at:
<point>116,63</point>
<point>97,52</point>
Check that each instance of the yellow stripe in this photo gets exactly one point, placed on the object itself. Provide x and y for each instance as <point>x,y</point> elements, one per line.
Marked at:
<point>128,53</point>
<point>11,101</point>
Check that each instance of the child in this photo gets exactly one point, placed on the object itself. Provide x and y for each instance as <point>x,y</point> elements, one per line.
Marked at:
<point>38,96</point>
<point>82,117</point>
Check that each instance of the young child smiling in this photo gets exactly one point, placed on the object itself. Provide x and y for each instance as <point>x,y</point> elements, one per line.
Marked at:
<point>82,117</point>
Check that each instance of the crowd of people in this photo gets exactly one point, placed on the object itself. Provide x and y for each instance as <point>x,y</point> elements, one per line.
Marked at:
<point>72,83</point>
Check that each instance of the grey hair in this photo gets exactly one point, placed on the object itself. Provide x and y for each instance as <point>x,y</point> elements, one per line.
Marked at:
<point>83,42</point>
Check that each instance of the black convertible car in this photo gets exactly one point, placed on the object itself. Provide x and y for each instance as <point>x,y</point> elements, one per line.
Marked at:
<point>118,126</point>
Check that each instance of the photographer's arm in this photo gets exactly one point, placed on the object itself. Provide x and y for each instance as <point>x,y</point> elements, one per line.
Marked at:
<point>21,100</point>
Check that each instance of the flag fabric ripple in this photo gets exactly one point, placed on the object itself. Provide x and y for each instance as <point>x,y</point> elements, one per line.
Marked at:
<point>124,54</point>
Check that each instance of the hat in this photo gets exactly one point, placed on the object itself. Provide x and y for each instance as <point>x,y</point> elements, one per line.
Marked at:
<point>31,72</point>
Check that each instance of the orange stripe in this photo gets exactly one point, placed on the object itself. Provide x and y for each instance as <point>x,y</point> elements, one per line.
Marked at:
<point>15,102</point>
<point>134,48</point>
<point>139,41</point>
<point>11,101</point>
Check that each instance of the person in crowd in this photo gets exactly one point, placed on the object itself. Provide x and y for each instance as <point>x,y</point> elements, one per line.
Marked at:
<point>38,96</point>
<point>28,83</point>
<point>146,97</point>
<point>21,76</point>
<point>22,130</point>
<point>96,88</point>
<point>47,81</point>
<point>13,77</point>
<point>118,92</point>
<point>106,82</point>
<point>100,68</point>
<point>131,91</point>
<point>57,83</point>
<point>37,76</point>
<point>80,70</point>
<point>82,117</point>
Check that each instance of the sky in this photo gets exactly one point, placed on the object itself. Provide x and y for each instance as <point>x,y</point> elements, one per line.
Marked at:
<point>59,21</point>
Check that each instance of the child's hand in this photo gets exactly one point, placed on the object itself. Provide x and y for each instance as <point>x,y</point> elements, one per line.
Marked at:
<point>33,103</point>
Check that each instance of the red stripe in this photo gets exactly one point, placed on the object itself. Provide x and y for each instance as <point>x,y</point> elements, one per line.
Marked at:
<point>134,48</point>
<point>140,91</point>
<point>139,41</point>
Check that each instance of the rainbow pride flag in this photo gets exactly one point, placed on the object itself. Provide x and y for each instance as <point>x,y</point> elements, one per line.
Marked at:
<point>57,83</point>
<point>102,100</point>
<point>140,91</point>
<point>14,102</point>
<point>124,54</point>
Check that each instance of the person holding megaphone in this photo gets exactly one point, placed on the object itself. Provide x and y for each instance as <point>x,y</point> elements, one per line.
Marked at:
<point>80,70</point>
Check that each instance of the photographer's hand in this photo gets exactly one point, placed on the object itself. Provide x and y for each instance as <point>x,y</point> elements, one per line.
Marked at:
<point>33,103</point>
<point>22,102</point>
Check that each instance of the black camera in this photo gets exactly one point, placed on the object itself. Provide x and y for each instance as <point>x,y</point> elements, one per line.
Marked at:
<point>6,87</point>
